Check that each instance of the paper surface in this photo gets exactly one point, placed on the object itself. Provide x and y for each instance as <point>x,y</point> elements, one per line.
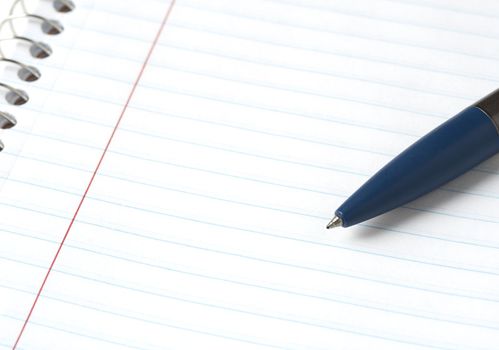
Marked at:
<point>252,121</point>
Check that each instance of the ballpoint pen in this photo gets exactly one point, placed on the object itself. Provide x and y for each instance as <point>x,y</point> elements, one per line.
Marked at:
<point>448,151</point>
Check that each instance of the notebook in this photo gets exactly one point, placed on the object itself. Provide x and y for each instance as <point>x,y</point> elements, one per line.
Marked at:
<point>168,183</point>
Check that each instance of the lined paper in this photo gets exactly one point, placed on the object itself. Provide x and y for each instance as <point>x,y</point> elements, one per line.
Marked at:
<point>251,122</point>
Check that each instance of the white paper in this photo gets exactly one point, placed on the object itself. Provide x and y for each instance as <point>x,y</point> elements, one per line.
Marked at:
<point>252,121</point>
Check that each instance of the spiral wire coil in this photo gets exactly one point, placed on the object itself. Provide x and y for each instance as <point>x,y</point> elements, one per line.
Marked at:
<point>37,49</point>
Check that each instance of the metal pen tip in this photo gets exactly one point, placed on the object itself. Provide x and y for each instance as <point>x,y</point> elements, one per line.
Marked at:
<point>335,222</point>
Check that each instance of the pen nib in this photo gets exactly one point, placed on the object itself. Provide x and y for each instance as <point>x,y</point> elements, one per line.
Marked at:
<point>335,222</point>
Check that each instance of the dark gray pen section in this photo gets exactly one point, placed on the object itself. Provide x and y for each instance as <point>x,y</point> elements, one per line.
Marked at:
<point>490,105</point>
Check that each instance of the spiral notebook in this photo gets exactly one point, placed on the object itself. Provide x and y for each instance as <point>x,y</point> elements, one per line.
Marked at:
<point>173,165</point>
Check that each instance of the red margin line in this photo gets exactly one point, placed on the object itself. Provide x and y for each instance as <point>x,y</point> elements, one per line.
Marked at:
<point>135,84</point>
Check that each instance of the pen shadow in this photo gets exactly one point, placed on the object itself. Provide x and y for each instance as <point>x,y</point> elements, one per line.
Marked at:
<point>464,185</point>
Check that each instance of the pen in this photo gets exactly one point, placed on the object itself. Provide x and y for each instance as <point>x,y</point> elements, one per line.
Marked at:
<point>446,152</point>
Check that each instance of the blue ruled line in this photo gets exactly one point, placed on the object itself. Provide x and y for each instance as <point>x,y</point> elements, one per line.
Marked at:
<point>227,78</point>
<point>262,63</point>
<point>285,23</point>
<point>482,245</point>
<point>338,53</point>
<point>404,22</point>
<point>470,243</point>
<point>336,299</point>
<point>330,168</point>
<point>333,327</point>
<point>307,268</point>
<point>133,207</point>
<point>72,332</point>
<point>323,29</point>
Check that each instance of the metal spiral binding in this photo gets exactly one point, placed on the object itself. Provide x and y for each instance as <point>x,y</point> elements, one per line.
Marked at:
<point>37,49</point>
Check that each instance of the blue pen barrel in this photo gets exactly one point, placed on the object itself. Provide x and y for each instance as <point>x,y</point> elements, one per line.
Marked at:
<point>445,153</point>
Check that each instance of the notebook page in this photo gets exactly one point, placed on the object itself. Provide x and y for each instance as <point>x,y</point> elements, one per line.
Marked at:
<point>250,123</point>
<point>47,137</point>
